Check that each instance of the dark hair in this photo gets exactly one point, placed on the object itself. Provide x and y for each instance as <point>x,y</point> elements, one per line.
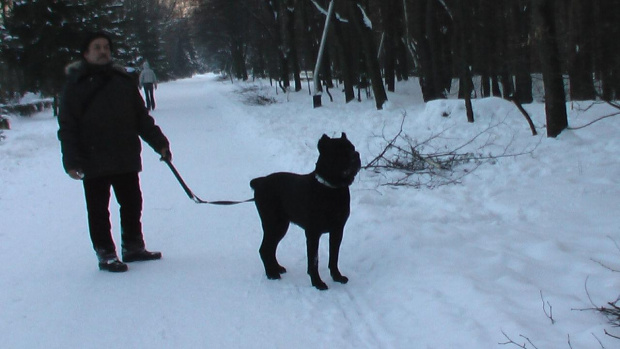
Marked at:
<point>90,37</point>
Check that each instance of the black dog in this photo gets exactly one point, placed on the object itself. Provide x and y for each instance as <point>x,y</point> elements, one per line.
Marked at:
<point>318,202</point>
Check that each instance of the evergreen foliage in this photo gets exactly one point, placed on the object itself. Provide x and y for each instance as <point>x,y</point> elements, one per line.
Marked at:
<point>40,37</point>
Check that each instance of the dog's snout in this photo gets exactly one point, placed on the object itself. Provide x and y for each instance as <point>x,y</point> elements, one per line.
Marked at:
<point>356,161</point>
<point>355,165</point>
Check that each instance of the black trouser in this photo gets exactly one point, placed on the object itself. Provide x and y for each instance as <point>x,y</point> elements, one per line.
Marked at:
<point>129,197</point>
<point>148,95</point>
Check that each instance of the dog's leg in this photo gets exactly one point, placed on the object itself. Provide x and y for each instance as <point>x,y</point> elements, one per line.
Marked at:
<point>312,243</point>
<point>335,238</point>
<point>273,234</point>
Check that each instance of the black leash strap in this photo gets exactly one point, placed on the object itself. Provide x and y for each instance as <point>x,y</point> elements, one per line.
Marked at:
<point>193,196</point>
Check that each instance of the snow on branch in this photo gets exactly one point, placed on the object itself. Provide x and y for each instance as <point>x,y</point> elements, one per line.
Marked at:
<point>367,20</point>
<point>319,8</point>
<point>443,4</point>
<point>324,12</point>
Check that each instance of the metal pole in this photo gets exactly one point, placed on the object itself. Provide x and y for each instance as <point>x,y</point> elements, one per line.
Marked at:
<point>316,98</point>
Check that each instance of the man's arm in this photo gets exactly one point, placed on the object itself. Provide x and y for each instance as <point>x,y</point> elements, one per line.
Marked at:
<point>148,130</point>
<point>68,135</point>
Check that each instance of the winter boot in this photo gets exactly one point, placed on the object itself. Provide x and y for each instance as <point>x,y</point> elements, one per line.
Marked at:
<point>139,255</point>
<point>108,261</point>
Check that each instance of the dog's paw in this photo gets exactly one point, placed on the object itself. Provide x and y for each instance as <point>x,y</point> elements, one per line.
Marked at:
<point>320,285</point>
<point>336,276</point>
<point>274,272</point>
<point>341,279</point>
<point>273,276</point>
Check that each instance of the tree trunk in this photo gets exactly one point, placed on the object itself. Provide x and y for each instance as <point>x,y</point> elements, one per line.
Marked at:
<point>523,85</point>
<point>495,91</point>
<point>522,68</point>
<point>238,62</point>
<point>279,28</point>
<point>580,69</point>
<point>507,83</point>
<point>437,30</point>
<point>607,48</point>
<point>544,31</point>
<point>357,13</point>
<point>319,61</point>
<point>485,86</point>
<point>292,43</point>
<point>483,43</point>
<point>388,8</point>
<point>347,62</point>
<point>429,31</point>
<point>462,23</point>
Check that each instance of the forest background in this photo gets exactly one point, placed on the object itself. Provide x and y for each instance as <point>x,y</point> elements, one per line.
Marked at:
<point>492,48</point>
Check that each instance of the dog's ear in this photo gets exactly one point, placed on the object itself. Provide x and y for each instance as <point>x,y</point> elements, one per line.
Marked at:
<point>344,136</point>
<point>322,141</point>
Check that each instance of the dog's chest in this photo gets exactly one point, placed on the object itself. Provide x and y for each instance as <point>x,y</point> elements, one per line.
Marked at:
<point>320,208</point>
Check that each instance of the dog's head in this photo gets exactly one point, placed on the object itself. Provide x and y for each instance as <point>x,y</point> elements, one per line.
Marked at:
<point>338,161</point>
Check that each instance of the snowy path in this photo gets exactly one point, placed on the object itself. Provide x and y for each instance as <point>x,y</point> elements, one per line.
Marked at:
<point>451,267</point>
<point>209,291</point>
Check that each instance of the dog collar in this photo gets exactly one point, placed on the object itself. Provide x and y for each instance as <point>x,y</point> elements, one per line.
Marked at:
<point>324,182</point>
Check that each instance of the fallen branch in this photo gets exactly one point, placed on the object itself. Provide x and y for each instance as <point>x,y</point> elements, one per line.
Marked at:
<point>526,115</point>
<point>418,167</point>
<point>612,312</point>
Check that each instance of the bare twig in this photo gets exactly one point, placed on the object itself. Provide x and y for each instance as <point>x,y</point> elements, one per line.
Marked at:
<point>549,314</point>
<point>611,103</point>
<point>381,155</point>
<point>510,341</point>
<point>593,121</point>
<point>604,265</point>
<point>614,241</point>
<point>612,311</point>
<point>598,340</point>
<point>611,335</point>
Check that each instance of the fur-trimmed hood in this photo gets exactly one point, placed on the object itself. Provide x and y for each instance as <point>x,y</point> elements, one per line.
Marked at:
<point>76,70</point>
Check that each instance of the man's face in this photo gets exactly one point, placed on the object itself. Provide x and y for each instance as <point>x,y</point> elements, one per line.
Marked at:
<point>98,52</point>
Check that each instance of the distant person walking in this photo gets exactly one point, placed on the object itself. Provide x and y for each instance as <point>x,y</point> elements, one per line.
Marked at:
<point>102,118</point>
<point>148,80</point>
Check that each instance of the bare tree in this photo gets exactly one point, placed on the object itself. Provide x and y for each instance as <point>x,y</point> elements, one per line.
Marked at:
<point>580,60</point>
<point>545,33</point>
<point>361,23</point>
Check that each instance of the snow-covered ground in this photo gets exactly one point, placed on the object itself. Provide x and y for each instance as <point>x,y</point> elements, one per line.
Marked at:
<point>499,256</point>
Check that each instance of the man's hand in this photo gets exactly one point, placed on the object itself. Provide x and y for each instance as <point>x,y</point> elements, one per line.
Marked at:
<point>76,174</point>
<point>166,155</point>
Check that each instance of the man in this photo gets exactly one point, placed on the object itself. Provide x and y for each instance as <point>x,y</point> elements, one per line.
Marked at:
<point>148,80</point>
<point>102,118</point>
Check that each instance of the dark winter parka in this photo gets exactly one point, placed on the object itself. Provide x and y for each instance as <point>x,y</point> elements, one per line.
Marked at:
<point>102,117</point>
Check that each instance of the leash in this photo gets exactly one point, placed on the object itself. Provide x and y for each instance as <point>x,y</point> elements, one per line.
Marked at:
<point>193,196</point>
